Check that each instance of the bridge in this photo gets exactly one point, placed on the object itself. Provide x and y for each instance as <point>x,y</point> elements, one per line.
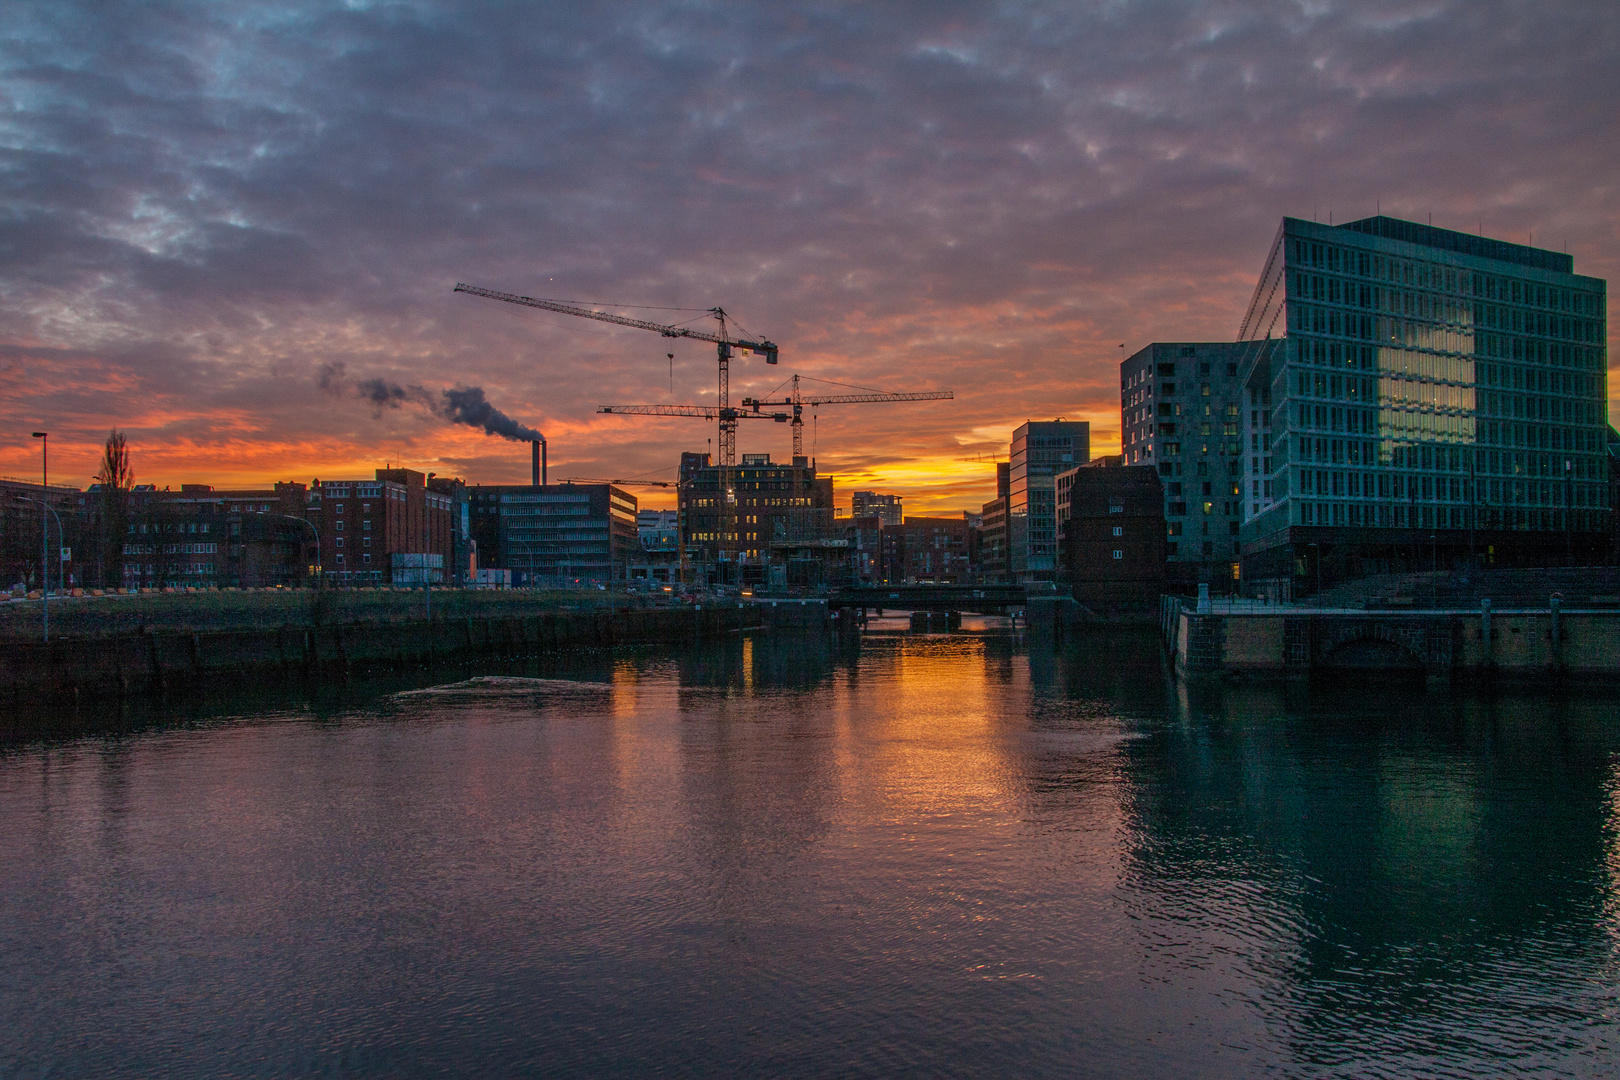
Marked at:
<point>983,599</point>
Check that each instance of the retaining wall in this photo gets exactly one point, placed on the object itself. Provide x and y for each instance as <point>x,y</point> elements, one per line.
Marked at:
<point>154,662</point>
<point>1441,643</point>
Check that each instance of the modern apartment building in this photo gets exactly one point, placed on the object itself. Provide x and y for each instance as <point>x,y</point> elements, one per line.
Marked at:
<point>1184,411</point>
<point>556,534</point>
<point>1433,397</point>
<point>1040,450</point>
<point>871,504</point>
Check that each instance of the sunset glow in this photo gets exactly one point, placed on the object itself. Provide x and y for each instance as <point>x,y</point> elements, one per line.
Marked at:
<point>213,240</point>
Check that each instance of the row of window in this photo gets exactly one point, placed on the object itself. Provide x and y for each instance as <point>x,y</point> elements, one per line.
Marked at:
<point>171,549</point>
<point>1438,277</point>
<point>1446,489</point>
<point>1403,516</point>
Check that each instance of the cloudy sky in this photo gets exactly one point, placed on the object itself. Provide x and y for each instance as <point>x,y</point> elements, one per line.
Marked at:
<point>220,219</point>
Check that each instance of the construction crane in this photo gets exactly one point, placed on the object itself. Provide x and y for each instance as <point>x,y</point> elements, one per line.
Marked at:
<point>619,483</point>
<point>706,412</point>
<point>723,342</point>
<point>797,403</point>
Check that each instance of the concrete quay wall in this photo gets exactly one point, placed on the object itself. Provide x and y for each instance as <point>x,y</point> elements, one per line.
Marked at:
<point>169,661</point>
<point>1440,644</point>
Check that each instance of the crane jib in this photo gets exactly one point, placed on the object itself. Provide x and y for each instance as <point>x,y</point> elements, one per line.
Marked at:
<point>767,349</point>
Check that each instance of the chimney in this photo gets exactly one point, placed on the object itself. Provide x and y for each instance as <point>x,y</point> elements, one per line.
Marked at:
<point>534,467</point>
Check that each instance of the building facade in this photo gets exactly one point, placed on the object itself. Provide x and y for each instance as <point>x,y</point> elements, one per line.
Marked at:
<point>1111,527</point>
<point>932,550</point>
<point>765,507</point>
<point>1433,397</point>
<point>885,508</point>
<point>202,537</point>
<point>1040,450</point>
<point>556,534</point>
<point>391,529</point>
<point>22,536</point>
<point>1184,412</point>
<point>992,563</point>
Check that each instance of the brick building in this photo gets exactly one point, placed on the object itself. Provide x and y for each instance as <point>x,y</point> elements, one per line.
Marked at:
<point>377,531</point>
<point>934,550</point>
<point>1111,535</point>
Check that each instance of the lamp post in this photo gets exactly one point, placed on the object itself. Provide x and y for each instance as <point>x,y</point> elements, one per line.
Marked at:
<point>1569,512</point>
<point>44,532</point>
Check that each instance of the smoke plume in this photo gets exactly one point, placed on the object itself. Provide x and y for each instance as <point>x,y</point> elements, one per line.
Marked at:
<point>467,405</point>
<point>331,378</point>
<point>386,395</point>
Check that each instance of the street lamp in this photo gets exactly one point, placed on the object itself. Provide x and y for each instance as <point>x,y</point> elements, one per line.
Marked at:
<point>1569,512</point>
<point>44,531</point>
<point>1316,558</point>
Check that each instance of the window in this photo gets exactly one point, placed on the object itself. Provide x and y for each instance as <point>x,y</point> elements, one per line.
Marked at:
<point>1118,554</point>
<point>1119,531</point>
<point>339,542</point>
<point>339,508</point>
<point>340,526</point>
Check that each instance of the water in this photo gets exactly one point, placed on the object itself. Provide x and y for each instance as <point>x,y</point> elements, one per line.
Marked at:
<point>933,856</point>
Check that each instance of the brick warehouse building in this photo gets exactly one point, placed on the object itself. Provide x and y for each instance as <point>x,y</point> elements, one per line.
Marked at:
<point>1111,535</point>
<point>201,536</point>
<point>377,531</point>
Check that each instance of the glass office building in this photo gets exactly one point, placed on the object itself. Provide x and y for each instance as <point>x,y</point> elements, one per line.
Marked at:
<point>1040,450</point>
<point>1431,395</point>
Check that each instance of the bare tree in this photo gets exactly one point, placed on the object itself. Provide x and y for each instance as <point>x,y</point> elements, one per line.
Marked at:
<point>116,478</point>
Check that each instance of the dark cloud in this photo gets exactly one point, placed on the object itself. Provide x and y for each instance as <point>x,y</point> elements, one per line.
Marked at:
<point>203,203</point>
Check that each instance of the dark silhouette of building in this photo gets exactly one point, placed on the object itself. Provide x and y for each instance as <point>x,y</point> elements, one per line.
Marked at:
<point>1112,536</point>
<point>993,530</point>
<point>768,512</point>
<point>933,549</point>
<point>886,508</point>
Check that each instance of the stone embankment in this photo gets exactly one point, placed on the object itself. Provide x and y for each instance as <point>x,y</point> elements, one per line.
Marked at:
<point>167,658</point>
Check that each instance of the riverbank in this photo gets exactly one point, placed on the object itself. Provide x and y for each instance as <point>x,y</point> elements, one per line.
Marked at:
<point>167,660</point>
<point>114,615</point>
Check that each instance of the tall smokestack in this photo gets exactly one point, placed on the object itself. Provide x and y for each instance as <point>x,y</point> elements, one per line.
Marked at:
<point>534,466</point>
<point>542,461</point>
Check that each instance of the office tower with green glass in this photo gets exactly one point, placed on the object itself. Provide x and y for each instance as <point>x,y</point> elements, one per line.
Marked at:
<point>1436,399</point>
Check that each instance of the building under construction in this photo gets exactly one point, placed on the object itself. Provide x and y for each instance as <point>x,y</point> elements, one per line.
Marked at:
<point>760,522</point>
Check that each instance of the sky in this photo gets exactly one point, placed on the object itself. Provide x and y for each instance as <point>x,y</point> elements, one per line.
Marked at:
<point>231,230</point>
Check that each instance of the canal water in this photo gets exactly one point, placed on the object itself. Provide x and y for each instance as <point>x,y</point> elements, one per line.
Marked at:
<point>953,855</point>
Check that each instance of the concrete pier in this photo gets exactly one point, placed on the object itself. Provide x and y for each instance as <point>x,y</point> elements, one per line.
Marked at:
<point>1439,644</point>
